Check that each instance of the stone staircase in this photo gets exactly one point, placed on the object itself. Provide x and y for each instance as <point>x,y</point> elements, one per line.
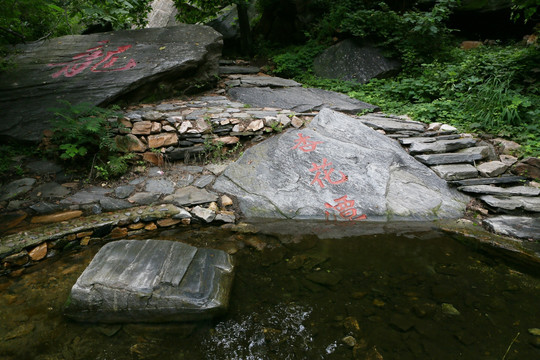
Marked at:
<point>473,166</point>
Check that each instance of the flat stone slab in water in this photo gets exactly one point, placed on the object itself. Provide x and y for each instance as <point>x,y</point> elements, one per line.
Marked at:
<point>517,226</point>
<point>152,281</point>
<point>298,99</point>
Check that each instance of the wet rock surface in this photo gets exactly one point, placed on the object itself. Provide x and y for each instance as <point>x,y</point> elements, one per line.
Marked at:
<point>101,68</point>
<point>152,281</point>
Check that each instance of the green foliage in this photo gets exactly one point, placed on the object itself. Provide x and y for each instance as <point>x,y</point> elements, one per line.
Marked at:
<point>524,9</point>
<point>216,151</point>
<point>85,133</point>
<point>413,34</point>
<point>491,89</point>
<point>296,60</point>
<point>9,152</point>
<point>29,20</point>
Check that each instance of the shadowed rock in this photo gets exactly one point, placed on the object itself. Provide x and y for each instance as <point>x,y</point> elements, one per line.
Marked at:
<point>337,168</point>
<point>348,60</point>
<point>102,68</point>
<point>152,281</point>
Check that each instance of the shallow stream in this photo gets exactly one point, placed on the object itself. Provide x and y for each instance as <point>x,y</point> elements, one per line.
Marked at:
<point>408,295</point>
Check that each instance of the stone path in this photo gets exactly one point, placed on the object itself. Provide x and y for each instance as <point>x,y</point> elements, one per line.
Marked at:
<point>49,205</point>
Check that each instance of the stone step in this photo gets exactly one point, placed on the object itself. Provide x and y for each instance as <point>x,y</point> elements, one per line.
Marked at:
<point>440,146</point>
<point>455,171</point>
<point>260,81</point>
<point>488,181</point>
<point>236,69</point>
<point>523,227</point>
<point>391,124</point>
<point>448,158</point>
<point>427,139</point>
<point>495,190</point>
<point>512,202</point>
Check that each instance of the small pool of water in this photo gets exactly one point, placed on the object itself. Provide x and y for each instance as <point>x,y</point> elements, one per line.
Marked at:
<point>417,295</point>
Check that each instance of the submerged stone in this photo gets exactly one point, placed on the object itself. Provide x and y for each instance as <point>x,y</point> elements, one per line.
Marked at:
<point>517,226</point>
<point>152,281</point>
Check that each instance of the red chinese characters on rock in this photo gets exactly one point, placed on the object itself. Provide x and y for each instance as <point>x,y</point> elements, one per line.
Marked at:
<point>345,209</point>
<point>321,169</point>
<point>304,144</point>
<point>96,58</point>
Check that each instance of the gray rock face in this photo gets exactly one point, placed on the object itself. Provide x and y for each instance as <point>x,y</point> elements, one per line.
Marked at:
<point>488,181</point>
<point>16,188</point>
<point>348,60</point>
<point>151,281</point>
<point>101,68</point>
<point>516,226</point>
<point>298,99</point>
<point>337,168</point>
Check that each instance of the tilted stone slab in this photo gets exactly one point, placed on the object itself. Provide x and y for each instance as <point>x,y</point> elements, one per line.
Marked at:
<point>513,203</point>
<point>449,158</point>
<point>426,139</point>
<point>440,146</point>
<point>455,171</point>
<point>337,168</point>
<point>495,190</point>
<point>391,124</point>
<point>101,68</point>
<point>298,99</point>
<point>152,281</point>
<point>517,226</point>
<point>488,181</point>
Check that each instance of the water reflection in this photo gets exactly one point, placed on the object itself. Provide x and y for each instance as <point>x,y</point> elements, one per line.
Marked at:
<point>397,295</point>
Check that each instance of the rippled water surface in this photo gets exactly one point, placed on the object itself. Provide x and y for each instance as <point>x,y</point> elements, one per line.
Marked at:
<point>409,296</point>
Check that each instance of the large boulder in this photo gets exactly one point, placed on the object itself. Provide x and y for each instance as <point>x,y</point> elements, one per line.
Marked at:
<point>152,281</point>
<point>337,169</point>
<point>102,68</point>
<point>350,61</point>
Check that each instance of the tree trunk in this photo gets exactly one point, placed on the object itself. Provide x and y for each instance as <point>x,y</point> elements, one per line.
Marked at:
<point>245,29</point>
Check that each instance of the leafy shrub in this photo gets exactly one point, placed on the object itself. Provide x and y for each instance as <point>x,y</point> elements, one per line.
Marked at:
<point>296,60</point>
<point>85,133</point>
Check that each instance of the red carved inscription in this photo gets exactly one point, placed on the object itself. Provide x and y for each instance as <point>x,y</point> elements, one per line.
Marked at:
<point>96,59</point>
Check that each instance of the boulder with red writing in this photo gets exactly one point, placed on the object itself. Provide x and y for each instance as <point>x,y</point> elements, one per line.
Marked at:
<point>337,169</point>
<point>101,69</point>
